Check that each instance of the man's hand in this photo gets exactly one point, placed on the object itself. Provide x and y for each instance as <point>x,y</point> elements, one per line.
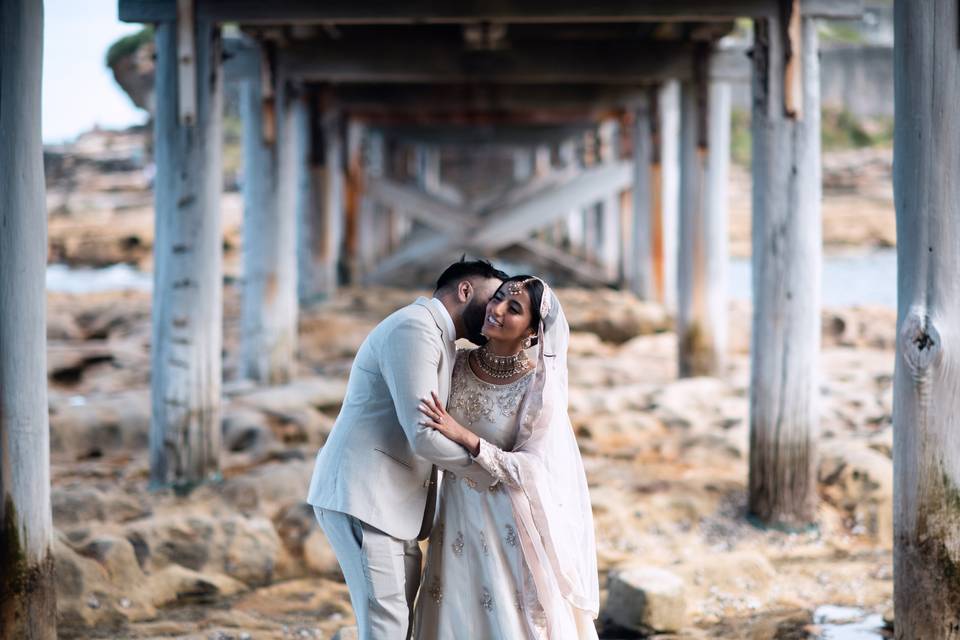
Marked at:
<point>437,418</point>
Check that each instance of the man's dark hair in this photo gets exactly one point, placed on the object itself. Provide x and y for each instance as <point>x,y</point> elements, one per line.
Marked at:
<point>464,269</point>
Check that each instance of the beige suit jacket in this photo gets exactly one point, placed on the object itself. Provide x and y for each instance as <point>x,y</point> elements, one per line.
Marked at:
<point>378,461</point>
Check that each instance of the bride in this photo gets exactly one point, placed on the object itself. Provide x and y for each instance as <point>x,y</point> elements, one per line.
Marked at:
<point>517,558</point>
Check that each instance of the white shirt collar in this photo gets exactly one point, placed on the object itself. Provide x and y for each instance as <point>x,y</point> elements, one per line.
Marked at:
<point>451,328</point>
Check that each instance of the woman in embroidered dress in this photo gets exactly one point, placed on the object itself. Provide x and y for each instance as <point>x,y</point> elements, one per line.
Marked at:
<point>515,558</point>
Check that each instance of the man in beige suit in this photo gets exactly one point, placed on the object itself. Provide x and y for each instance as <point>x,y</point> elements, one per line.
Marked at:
<point>374,484</point>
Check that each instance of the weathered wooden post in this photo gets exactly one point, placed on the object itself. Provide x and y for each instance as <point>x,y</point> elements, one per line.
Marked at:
<point>320,208</point>
<point>27,592</point>
<point>927,195</point>
<point>188,271</point>
<point>784,417</point>
<point>573,222</point>
<point>356,132</point>
<point>523,162</point>
<point>268,316</point>
<point>542,161</point>
<point>704,170</point>
<point>369,232</point>
<point>591,213</point>
<point>665,192</point>
<point>610,227</point>
<point>638,263</point>
<point>427,172</point>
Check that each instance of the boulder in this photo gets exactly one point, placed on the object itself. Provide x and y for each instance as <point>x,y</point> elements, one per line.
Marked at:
<point>319,556</point>
<point>691,403</point>
<point>347,633</point>
<point>614,316</point>
<point>740,572</point>
<point>646,599</point>
<point>100,584</point>
<point>244,549</point>
<point>859,480</point>
<point>245,430</point>
<point>116,422</point>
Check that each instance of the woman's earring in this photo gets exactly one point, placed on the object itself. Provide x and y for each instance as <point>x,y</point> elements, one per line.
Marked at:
<point>528,342</point>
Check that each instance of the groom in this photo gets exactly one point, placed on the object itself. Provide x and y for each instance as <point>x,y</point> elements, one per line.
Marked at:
<point>374,485</point>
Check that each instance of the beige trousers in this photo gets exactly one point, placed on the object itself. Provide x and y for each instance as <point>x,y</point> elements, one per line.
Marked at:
<point>382,574</point>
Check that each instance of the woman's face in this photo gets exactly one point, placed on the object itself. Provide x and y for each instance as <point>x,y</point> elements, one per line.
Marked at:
<point>508,315</point>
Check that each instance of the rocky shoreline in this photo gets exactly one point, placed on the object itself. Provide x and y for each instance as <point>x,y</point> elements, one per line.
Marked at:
<point>666,462</point>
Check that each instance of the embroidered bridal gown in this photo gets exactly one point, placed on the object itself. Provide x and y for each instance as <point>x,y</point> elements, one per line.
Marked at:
<point>475,574</point>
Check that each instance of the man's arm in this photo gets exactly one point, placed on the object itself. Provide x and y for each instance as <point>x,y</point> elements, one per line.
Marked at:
<point>409,362</point>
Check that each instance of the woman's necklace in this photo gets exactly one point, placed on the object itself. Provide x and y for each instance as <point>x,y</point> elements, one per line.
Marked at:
<point>501,367</point>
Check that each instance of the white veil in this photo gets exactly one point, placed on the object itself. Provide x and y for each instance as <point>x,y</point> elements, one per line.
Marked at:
<point>550,498</point>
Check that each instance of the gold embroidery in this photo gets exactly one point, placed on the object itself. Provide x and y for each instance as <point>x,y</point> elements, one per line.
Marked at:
<point>458,544</point>
<point>511,536</point>
<point>486,600</point>
<point>473,399</point>
<point>435,591</point>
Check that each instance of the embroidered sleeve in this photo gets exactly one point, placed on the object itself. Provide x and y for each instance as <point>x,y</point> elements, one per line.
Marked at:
<point>498,463</point>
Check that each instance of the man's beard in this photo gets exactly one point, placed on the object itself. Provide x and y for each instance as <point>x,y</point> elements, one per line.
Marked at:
<point>473,318</point>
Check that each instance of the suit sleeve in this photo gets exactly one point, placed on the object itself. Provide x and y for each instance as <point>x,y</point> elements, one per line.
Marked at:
<point>410,364</point>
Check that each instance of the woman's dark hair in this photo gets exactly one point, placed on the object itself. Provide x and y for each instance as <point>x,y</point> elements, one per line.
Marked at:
<point>535,290</point>
<point>464,268</point>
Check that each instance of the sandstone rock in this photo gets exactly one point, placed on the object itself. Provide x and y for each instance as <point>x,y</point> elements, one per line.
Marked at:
<point>316,392</point>
<point>690,403</point>
<point>245,430</point>
<point>293,412</point>
<point>242,493</point>
<point>100,584</point>
<point>117,422</point>
<point>62,326</point>
<point>646,599</point>
<point>252,548</point>
<point>319,556</point>
<point>614,316</point>
<point>276,481</point>
<point>588,344</point>
<point>741,572</point>
<point>860,481</point>
<point>76,505</point>
<point>177,584</point>
<point>347,633</point>
<point>244,549</point>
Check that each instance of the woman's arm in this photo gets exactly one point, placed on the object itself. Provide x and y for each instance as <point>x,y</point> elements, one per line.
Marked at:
<point>494,460</point>
<point>440,420</point>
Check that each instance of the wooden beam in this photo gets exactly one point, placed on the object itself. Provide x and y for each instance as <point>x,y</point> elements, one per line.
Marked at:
<point>511,222</point>
<point>392,60</point>
<point>517,221</point>
<point>387,12</point>
<point>584,271</point>
<point>479,135</point>
<point>418,205</point>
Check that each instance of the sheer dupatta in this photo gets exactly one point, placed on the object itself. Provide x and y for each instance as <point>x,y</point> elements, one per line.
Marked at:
<point>545,480</point>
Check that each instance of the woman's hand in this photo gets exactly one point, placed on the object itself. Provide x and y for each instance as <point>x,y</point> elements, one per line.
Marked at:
<point>437,418</point>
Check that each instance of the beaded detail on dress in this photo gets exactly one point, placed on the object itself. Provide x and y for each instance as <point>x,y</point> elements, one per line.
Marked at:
<point>471,397</point>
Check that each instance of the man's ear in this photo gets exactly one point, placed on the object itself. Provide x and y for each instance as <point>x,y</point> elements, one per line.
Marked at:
<point>464,291</point>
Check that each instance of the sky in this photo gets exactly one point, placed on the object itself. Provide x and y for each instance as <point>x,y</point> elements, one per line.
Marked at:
<point>78,88</point>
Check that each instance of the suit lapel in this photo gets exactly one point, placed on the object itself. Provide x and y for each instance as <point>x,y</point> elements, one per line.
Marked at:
<point>449,341</point>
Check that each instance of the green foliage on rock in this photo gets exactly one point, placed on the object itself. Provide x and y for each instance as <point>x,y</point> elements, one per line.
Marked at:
<point>127,45</point>
<point>839,130</point>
